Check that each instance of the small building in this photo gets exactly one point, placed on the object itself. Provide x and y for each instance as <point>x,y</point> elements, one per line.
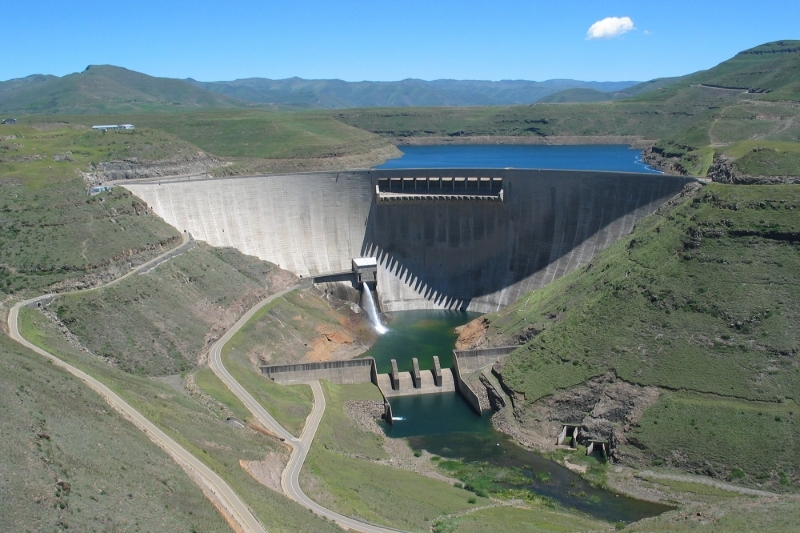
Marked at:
<point>97,189</point>
<point>9,121</point>
<point>107,127</point>
<point>365,269</point>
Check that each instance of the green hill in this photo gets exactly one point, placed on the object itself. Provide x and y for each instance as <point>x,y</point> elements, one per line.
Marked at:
<point>105,89</point>
<point>772,68</point>
<point>580,95</point>
<point>693,319</point>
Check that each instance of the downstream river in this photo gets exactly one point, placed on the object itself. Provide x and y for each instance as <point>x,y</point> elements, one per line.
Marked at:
<point>611,157</point>
<point>445,425</point>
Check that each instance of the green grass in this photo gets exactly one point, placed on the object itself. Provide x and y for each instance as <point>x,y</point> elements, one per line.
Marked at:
<point>338,433</point>
<point>699,489</point>
<point>54,428</point>
<point>719,437</point>
<point>518,520</point>
<point>742,148</point>
<point>700,299</point>
<point>158,323</point>
<point>333,476</point>
<point>233,133</point>
<point>737,515</point>
<point>198,428</point>
<point>290,405</point>
<point>51,233</point>
<point>207,380</point>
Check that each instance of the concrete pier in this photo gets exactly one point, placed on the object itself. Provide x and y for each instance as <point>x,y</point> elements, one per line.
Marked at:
<point>416,379</point>
<point>394,377</point>
<point>437,371</point>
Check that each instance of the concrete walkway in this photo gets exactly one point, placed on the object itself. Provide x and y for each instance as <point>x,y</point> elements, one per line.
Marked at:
<point>290,478</point>
<point>215,488</point>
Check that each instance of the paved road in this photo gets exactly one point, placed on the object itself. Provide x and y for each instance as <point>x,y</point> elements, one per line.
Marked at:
<point>209,481</point>
<point>290,478</point>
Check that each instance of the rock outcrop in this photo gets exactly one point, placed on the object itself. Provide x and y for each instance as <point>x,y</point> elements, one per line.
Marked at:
<point>724,170</point>
<point>133,168</point>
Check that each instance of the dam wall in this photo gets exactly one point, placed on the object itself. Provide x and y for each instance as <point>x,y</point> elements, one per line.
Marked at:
<point>434,252</point>
<point>309,224</point>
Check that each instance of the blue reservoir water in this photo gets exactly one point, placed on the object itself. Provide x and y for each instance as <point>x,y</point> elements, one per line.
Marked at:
<point>611,157</point>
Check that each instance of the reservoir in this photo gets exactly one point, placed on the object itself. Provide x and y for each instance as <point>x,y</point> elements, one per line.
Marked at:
<point>613,157</point>
<point>445,425</point>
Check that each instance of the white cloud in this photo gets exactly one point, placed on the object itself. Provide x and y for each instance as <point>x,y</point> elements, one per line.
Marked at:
<point>609,27</point>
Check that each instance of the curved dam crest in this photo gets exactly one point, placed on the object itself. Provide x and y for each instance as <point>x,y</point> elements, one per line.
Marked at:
<point>434,252</point>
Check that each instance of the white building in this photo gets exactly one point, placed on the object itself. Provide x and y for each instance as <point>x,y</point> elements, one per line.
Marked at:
<point>105,127</point>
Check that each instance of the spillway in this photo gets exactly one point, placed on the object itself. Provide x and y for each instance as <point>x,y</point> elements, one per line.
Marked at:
<point>468,239</point>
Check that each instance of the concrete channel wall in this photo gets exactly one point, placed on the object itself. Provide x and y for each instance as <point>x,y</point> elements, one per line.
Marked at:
<point>463,387</point>
<point>473,360</point>
<point>432,254</point>
<point>339,372</point>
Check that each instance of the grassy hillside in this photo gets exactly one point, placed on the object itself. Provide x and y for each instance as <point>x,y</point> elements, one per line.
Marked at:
<point>55,430</point>
<point>699,302</point>
<point>105,89</point>
<point>580,95</point>
<point>772,69</point>
<point>160,322</point>
<point>262,140</point>
<point>194,422</point>
<point>52,235</point>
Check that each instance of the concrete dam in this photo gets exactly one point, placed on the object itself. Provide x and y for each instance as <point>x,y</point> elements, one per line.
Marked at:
<point>467,239</point>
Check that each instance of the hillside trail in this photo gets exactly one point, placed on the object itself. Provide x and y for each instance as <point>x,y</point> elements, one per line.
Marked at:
<point>233,509</point>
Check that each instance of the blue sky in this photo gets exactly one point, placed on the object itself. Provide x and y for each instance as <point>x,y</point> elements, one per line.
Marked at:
<point>386,40</point>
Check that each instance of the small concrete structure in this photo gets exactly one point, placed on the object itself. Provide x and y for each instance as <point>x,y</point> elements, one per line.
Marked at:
<point>9,121</point>
<point>365,270</point>
<point>592,444</point>
<point>568,430</point>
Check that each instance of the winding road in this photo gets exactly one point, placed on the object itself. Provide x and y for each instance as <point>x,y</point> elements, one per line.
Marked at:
<point>214,486</point>
<point>290,478</point>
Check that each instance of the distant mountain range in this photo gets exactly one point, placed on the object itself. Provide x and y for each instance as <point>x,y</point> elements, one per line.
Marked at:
<point>772,69</point>
<point>109,89</point>
<point>338,94</point>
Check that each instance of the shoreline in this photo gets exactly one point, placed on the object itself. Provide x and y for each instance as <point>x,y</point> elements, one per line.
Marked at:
<point>634,141</point>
